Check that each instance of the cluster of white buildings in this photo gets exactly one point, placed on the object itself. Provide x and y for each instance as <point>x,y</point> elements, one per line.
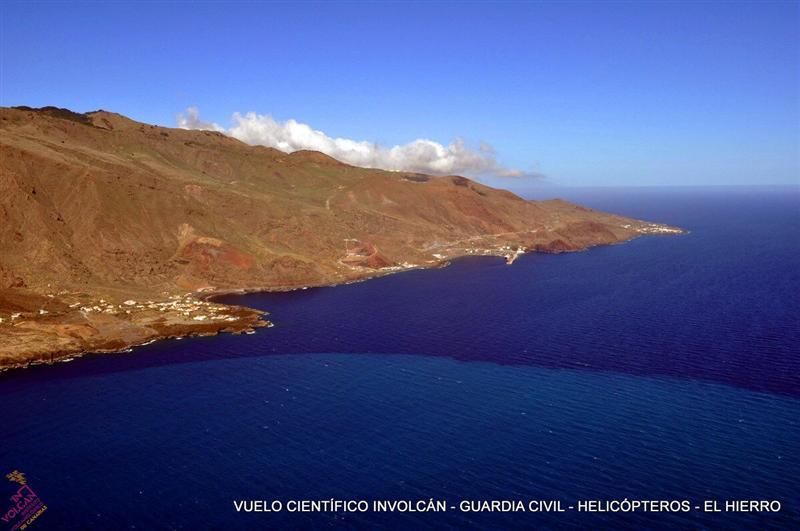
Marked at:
<point>654,228</point>
<point>186,306</point>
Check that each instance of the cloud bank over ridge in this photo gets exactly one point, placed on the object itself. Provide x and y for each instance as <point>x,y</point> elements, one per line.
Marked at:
<point>421,155</point>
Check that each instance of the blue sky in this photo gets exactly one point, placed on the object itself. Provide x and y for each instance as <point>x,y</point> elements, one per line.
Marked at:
<point>586,93</point>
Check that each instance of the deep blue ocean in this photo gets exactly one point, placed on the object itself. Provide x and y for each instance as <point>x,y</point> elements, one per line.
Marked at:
<point>666,368</point>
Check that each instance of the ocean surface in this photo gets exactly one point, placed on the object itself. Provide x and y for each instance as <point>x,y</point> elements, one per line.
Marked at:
<point>666,368</point>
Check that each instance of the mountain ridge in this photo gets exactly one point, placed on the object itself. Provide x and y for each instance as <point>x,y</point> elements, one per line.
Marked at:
<point>96,206</point>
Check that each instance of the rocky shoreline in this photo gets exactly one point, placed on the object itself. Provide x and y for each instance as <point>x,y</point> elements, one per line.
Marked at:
<point>116,233</point>
<point>63,335</point>
<point>35,338</point>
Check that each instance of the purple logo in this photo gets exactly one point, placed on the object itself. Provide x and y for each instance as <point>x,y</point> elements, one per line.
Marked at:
<point>25,505</point>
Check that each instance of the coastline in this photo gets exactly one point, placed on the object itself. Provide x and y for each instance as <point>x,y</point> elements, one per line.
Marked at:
<point>247,319</point>
<point>136,333</point>
<point>141,259</point>
<point>247,323</point>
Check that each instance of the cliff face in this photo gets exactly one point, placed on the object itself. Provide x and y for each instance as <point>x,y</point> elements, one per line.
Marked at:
<point>97,207</point>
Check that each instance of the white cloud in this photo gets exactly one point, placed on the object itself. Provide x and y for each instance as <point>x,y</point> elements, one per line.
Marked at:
<point>425,156</point>
<point>191,120</point>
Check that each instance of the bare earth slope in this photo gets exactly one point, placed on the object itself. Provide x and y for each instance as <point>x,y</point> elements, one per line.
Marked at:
<point>110,228</point>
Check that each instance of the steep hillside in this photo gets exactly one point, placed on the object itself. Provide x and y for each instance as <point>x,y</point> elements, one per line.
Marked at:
<point>97,207</point>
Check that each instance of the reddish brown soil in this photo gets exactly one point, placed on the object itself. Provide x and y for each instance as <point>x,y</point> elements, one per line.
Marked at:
<point>97,206</point>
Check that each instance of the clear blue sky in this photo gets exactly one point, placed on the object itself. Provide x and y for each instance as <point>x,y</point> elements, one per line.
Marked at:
<point>588,93</point>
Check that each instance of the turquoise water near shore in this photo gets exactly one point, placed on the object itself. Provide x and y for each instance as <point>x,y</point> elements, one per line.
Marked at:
<point>665,368</point>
